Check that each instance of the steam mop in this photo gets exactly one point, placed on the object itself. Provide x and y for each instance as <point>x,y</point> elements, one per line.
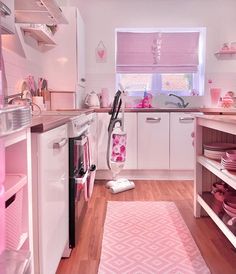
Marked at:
<point>116,147</point>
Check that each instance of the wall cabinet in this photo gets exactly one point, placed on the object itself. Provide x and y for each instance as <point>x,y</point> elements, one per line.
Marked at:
<point>153,140</point>
<point>181,148</point>
<point>130,128</point>
<point>213,128</point>
<point>64,64</point>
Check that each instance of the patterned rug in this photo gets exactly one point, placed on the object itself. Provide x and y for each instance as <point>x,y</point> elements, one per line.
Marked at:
<point>148,238</point>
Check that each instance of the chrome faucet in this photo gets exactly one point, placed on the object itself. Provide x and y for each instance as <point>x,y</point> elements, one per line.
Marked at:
<point>180,105</point>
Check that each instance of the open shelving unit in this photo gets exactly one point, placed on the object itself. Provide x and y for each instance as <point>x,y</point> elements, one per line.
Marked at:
<point>18,193</point>
<point>40,35</point>
<point>213,128</point>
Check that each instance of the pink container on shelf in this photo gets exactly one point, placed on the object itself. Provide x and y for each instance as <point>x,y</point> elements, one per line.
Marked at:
<point>2,162</point>
<point>215,96</point>
<point>2,198</point>
<point>2,219</point>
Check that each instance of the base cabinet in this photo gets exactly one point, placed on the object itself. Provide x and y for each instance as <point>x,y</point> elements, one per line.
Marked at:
<point>50,196</point>
<point>181,147</point>
<point>153,140</point>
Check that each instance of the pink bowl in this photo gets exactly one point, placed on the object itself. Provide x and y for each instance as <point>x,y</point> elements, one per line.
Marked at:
<point>230,213</point>
<point>231,154</point>
<point>228,207</point>
<point>219,186</point>
<point>231,201</point>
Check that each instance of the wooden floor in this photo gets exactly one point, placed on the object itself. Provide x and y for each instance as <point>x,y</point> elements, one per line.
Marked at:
<point>215,248</point>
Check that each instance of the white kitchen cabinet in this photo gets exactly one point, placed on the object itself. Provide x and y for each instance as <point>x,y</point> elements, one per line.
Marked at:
<point>7,17</point>
<point>181,148</point>
<point>130,124</point>
<point>153,140</point>
<point>50,195</point>
<point>18,193</point>
<point>64,64</point>
<point>220,129</point>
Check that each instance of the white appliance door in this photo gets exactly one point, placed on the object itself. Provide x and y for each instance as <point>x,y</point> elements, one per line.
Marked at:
<point>52,197</point>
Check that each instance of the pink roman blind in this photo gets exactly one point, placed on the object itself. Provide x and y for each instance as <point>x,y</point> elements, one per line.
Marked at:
<point>159,52</point>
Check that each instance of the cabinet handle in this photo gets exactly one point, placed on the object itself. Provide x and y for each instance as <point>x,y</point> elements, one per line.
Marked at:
<point>4,10</point>
<point>153,119</point>
<point>181,119</point>
<point>60,143</point>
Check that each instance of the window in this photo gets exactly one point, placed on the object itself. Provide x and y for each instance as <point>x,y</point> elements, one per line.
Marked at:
<point>161,62</point>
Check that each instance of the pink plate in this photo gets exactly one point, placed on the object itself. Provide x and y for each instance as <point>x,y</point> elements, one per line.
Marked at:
<point>231,154</point>
<point>219,146</point>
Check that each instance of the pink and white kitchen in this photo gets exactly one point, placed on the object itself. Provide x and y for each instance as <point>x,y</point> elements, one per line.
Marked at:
<point>117,137</point>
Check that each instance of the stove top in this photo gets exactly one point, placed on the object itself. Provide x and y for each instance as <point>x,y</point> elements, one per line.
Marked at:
<point>79,122</point>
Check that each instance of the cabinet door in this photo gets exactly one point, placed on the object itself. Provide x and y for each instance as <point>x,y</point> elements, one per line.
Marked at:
<point>153,140</point>
<point>52,197</point>
<point>130,126</point>
<point>181,148</point>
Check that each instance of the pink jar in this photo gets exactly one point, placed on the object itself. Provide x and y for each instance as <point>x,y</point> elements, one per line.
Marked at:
<point>2,198</point>
<point>105,98</point>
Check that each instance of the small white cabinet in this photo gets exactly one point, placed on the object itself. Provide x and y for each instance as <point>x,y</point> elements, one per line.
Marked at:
<point>181,148</point>
<point>153,140</point>
<point>50,195</point>
<point>130,126</point>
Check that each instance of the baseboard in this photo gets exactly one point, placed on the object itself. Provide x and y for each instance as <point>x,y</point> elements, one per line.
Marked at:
<point>147,174</point>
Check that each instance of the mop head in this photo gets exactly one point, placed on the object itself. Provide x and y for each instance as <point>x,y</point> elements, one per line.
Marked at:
<point>120,185</point>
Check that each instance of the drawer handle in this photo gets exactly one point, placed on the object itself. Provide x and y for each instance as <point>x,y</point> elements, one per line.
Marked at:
<point>60,143</point>
<point>153,119</point>
<point>4,10</point>
<point>181,119</point>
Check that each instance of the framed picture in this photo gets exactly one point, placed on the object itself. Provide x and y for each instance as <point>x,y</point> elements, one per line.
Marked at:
<point>101,53</point>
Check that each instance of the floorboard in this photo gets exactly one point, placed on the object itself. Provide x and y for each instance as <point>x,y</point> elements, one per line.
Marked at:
<point>217,251</point>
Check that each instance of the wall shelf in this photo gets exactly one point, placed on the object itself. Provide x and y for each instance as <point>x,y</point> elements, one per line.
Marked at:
<point>225,53</point>
<point>13,183</point>
<point>40,35</point>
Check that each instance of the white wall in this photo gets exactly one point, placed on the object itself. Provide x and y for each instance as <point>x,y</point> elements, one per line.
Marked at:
<point>103,16</point>
<point>22,57</point>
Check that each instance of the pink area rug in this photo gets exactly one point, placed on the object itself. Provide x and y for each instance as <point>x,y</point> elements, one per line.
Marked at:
<point>148,238</point>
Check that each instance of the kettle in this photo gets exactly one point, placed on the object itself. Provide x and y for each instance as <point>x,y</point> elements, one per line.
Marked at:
<point>92,100</point>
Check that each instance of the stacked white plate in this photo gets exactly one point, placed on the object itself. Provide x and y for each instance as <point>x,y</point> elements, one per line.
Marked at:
<point>227,163</point>
<point>216,151</point>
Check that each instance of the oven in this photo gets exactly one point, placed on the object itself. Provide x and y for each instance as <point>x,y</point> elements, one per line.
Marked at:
<point>78,176</point>
<point>81,175</point>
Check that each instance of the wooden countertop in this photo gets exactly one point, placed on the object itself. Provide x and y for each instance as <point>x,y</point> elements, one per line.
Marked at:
<point>219,118</point>
<point>45,123</point>
<point>52,119</point>
<point>194,109</point>
<point>104,110</point>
